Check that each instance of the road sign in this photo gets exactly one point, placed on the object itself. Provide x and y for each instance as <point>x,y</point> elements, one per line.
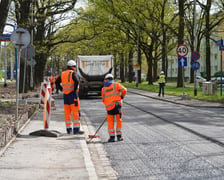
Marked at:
<point>5,37</point>
<point>195,55</point>
<point>182,50</point>
<point>219,42</point>
<point>182,61</point>
<point>195,65</point>
<point>28,52</point>
<point>221,48</point>
<point>20,38</point>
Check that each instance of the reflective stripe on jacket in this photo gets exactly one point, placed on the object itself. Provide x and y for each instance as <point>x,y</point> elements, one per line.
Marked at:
<point>162,79</point>
<point>111,95</point>
<point>67,81</point>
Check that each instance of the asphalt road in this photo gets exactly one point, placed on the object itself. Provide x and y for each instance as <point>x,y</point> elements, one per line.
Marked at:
<point>162,140</point>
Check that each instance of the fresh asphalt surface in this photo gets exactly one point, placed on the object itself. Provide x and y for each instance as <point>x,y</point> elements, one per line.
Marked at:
<point>155,156</point>
<point>164,139</point>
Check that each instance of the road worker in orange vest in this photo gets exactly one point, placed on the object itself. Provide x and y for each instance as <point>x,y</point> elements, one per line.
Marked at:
<point>68,82</point>
<point>52,82</point>
<point>112,94</point>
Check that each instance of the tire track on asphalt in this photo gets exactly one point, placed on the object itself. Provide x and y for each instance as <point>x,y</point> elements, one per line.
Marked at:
<point>178,125</point>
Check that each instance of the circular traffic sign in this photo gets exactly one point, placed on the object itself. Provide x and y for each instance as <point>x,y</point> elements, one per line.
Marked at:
<point>182,50</point>
<point>195,65</point>
<point>195,55</point>
<point>20,38</point>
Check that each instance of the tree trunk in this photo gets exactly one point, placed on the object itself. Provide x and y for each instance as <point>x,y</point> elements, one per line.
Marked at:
<point>122,67</point>
<point>148,54</point>
<point>130,66</point>
<point>39,69</point>
<point>207,39</point>
<point>180,39</point>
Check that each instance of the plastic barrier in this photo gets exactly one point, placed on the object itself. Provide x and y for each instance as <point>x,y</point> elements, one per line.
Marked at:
<point>45,102</point>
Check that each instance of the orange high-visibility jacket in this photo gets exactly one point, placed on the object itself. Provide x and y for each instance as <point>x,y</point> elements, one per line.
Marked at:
<point>111,95</point>
<point>52,81</point>
<point>67,81</point>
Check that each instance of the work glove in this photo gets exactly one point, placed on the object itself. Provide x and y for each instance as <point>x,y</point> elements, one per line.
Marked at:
<point>75,102</point>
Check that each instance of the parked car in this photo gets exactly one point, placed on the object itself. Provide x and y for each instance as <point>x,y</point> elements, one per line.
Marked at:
<point>200,80</point>
<point>218,80</point>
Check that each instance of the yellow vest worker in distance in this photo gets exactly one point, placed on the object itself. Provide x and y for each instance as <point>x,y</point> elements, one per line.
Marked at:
<point>112,94</point>
<point>69,81</point>
<point>161,81</point>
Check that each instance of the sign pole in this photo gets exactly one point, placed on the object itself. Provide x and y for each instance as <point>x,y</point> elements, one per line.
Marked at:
<point>183,79</point>
<point>5,64</point>
<point>20,38</point>
<point>182,51</point>
<point>17,88</point>
<point>195,84</point>
<point>195,66</point>
<point>221,73</point>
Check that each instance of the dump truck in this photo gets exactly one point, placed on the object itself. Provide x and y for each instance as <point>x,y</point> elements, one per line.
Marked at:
<point>92,70</point>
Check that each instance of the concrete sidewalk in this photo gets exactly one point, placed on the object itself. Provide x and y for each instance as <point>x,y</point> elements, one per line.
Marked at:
<point>48,158</point>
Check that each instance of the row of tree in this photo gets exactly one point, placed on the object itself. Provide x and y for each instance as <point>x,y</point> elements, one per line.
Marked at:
<point>135,29</point>
<point>130,30</point>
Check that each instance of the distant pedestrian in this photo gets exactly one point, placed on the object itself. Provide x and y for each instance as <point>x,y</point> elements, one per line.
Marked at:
<point>70,82</point>
<point>161,81</point>
<point>112,94</point>
<point>57,86</point>
<point>52,82</point>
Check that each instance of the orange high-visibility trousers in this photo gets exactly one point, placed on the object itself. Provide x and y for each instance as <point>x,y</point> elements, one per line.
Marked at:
<point>68,109</point>
<point>110,123</point>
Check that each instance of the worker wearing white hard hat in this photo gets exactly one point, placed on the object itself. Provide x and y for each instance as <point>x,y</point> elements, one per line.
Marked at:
<point>161,81</point>
<point>69,82</point>
<point>112,94</point>
<point>109,76</point>
<point>71,63</point>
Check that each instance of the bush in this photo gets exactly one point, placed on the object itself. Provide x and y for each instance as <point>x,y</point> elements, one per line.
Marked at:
<point>217,74</point>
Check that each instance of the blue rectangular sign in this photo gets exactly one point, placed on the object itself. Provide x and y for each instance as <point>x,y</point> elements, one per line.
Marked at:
<point>182,61</point>
<point>221,48</point>
<point>219,42</point>
<point>5,37</point>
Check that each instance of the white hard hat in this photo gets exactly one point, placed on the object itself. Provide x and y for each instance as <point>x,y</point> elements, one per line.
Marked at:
<point>161,72</point>
<point>108,76</point>
<point>71,63</point>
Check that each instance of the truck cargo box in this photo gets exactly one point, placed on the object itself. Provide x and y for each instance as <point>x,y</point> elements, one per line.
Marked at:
<point>92,70</point>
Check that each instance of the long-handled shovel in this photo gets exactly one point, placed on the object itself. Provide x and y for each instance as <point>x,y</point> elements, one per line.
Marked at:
<point>95,136</point>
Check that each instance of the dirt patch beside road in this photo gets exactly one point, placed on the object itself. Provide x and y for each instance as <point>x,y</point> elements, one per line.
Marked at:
<point>8,110</point>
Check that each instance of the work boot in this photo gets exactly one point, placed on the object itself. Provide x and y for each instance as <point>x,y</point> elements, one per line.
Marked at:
<point>119,138</point>
<point>69,130</point>
<point>77,131</point>
<point>111,139</point>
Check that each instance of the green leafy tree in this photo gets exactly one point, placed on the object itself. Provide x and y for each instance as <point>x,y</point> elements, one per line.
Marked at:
<point>4,9</point>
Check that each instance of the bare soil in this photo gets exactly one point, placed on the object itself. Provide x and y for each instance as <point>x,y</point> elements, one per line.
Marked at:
<point>8,107</point>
